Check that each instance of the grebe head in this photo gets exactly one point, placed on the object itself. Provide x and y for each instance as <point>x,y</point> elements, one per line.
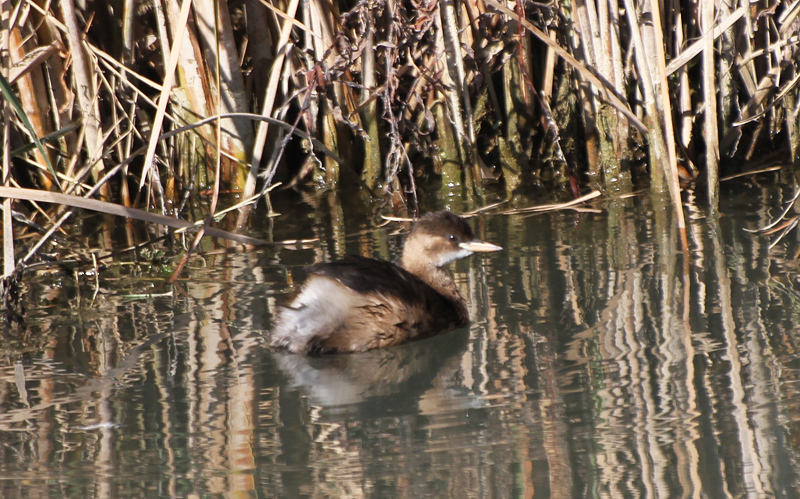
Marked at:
<point>440,238</point>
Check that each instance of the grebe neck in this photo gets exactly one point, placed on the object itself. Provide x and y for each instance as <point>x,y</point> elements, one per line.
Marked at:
<point>439,279</point>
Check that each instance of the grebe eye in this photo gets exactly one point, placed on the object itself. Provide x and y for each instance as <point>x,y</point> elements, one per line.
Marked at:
<point>453,238</point>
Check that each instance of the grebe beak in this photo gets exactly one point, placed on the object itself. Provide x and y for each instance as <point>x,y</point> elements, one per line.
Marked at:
<point>477,246</point>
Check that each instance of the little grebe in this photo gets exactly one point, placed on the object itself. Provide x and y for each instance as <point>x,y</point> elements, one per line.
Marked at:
<point>357,303</point>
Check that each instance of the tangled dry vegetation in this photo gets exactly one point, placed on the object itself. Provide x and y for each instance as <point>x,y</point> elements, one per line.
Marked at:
<point>152,103</point>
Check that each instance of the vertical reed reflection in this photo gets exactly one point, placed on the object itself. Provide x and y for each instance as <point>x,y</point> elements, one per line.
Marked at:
<point>598,363</point>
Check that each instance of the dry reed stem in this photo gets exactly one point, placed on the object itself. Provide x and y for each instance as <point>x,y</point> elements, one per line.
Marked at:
<point>128,20</point>
<point>30,60</point>
<point>710,99</point>
<point>86,91</point>
<point>269,102</point>
<point>32,95</point>
<point>552,207</point>
<point>753,172</point>
<point>606,132</point>
<point>767,87</point>
<point>687,54</point>
<point>683,102</point>
<point>117,210</point>
<point>163,100</point>
<point>122,72</point>
<point>462,114</point>
<point>369,112</point>
<point>646,60</point>
<point>214,31</point>
<point>665,108</point>
<point>447,112</point>
<point>584,38</point>
<point>605,91</point>
<point>9,264</point>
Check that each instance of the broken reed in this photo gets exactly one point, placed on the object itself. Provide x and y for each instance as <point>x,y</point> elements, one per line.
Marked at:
<point>398,95</point>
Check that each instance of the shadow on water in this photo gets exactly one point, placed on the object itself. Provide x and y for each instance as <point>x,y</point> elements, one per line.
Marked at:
<point>597,364</point>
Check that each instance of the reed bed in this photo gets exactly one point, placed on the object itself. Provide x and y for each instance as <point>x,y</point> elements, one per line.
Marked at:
<point>162,106</point>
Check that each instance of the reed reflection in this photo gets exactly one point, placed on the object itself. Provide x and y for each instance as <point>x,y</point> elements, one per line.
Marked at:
<point>598,362</point>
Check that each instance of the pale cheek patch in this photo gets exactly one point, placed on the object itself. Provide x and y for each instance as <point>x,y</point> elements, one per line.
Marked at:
<point>451,257</point>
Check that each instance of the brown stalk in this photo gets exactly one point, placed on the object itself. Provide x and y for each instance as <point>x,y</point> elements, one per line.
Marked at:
<point>446,111</point>
<point>697,46</point>
<point>124,189</point>
<point>781,226</point>
<point>117,210</point>
<point>684,100</point>
<point>728,101</point>
<point>9,263</point>
<point>163,99</point>
<point>32,91</point>
<point>128,20</point>
<point>314,102</point>
<point>610,23</point>
<point>217,164</point>
<point>551,207</point>
<point>370,174</point>
<point>605,91</point>
<point>657,107</point>
<point>194,94</point>
<point>30,60</point>
<point>585,19</point>
<point>549,69</point>
<point>59,93</point>
<point>589,33</point>
<point>269,102</point>
<point>786,228</point>
<point>671,172</point>
<point>710,98</point>
<point>117,130</point>
<point>613,130</point>
<point>118,68</point>
<point>766,88</point>
<point>462,113</point>
<point>86,92</point>
<point>766,169</point>
<point>396,153</point>
<point>325,19</point>
<point>220,51</point>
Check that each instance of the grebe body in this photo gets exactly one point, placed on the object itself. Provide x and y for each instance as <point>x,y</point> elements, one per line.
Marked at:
<point>357,304</point>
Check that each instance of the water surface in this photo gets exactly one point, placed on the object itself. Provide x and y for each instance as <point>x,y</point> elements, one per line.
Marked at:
<point>599,363</point>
